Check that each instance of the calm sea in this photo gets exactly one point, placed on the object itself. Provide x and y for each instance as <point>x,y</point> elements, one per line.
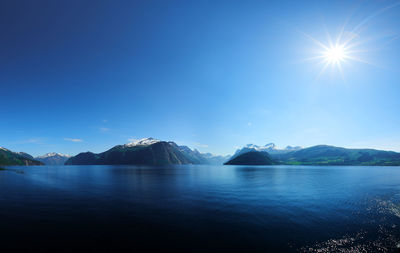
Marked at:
<point>200,208</point>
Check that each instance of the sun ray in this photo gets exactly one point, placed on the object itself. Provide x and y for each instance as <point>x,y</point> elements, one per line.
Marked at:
<point>329,37</point>
<point>351,37</point>
<point>378,12</point>
<point>364,41</point>
<point>319,43</point>
<point>390,41</point>
<point>322,71</point>
<point>341,71</point>
<point>312,58</point>
<point>353,58</point>
<point>342,30</point>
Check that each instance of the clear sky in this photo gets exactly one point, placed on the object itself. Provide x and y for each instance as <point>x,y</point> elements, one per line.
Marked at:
<point>214,75</point>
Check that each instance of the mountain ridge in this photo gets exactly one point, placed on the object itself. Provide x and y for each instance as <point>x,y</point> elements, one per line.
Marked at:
<point>8,157</point>
<point>53,158</point>
<point>251,158</point>
<point>147,151</point>
<point>331,155</point>
<point>271,148</point>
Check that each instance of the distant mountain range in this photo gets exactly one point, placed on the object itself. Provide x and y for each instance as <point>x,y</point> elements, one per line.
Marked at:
<point>271,148</point>
<point>53,158</point>
<point>150,151</point>
<point>8,157</point>
<point>146,151</point>
<point>320,155</point>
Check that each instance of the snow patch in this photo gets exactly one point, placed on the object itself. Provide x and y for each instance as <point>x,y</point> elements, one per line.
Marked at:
<point>271,148</point>
<point>142,142</point>
<point>52,154</point>
<point>268,147</point>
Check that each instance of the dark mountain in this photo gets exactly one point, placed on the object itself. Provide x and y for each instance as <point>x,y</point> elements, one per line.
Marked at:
<point>202,158</point>
<point>147,151</point>
<point>193,155</point>
<point>144,152</point>
<point>26,155</point>
<point>251,158</point>
<point>53,159</point>
<point>8,157</point>
<point>330,155</point>
<point>86,158</point>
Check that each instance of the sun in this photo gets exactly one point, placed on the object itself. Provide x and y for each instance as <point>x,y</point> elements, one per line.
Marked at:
<point>335,54</point>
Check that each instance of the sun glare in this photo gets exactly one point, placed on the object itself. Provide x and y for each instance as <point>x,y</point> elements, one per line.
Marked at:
<point>335,54</point>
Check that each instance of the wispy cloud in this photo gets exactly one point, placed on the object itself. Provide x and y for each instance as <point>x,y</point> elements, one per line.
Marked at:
<point>73,140</point>
<point>32,141</point>
<point>104,129</point>
<point>249,124</point>
<point>200,145</point>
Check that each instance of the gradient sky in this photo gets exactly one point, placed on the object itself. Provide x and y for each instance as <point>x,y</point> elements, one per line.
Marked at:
<point>214,75</point>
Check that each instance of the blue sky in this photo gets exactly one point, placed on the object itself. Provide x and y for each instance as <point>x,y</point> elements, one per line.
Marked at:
<point>214,75</point>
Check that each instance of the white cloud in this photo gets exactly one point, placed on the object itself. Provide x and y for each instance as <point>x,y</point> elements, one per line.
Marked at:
<point>249,124</point>
<point>32,141</point>
<point>73,140</point>
<point>104,129</point>
<point>201,145</point>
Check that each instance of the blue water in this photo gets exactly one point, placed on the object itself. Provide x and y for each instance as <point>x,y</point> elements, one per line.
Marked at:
<point>201,208</point>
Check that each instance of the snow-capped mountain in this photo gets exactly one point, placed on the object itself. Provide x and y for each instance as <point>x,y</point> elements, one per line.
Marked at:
<point>267,147</point>
<point>271,148</point>
<point>293,148</point>
<point>53,158</point>
<point>52,154</point>
<point>142,142</point>
<point>148,151</point>
<point>193,154</point>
